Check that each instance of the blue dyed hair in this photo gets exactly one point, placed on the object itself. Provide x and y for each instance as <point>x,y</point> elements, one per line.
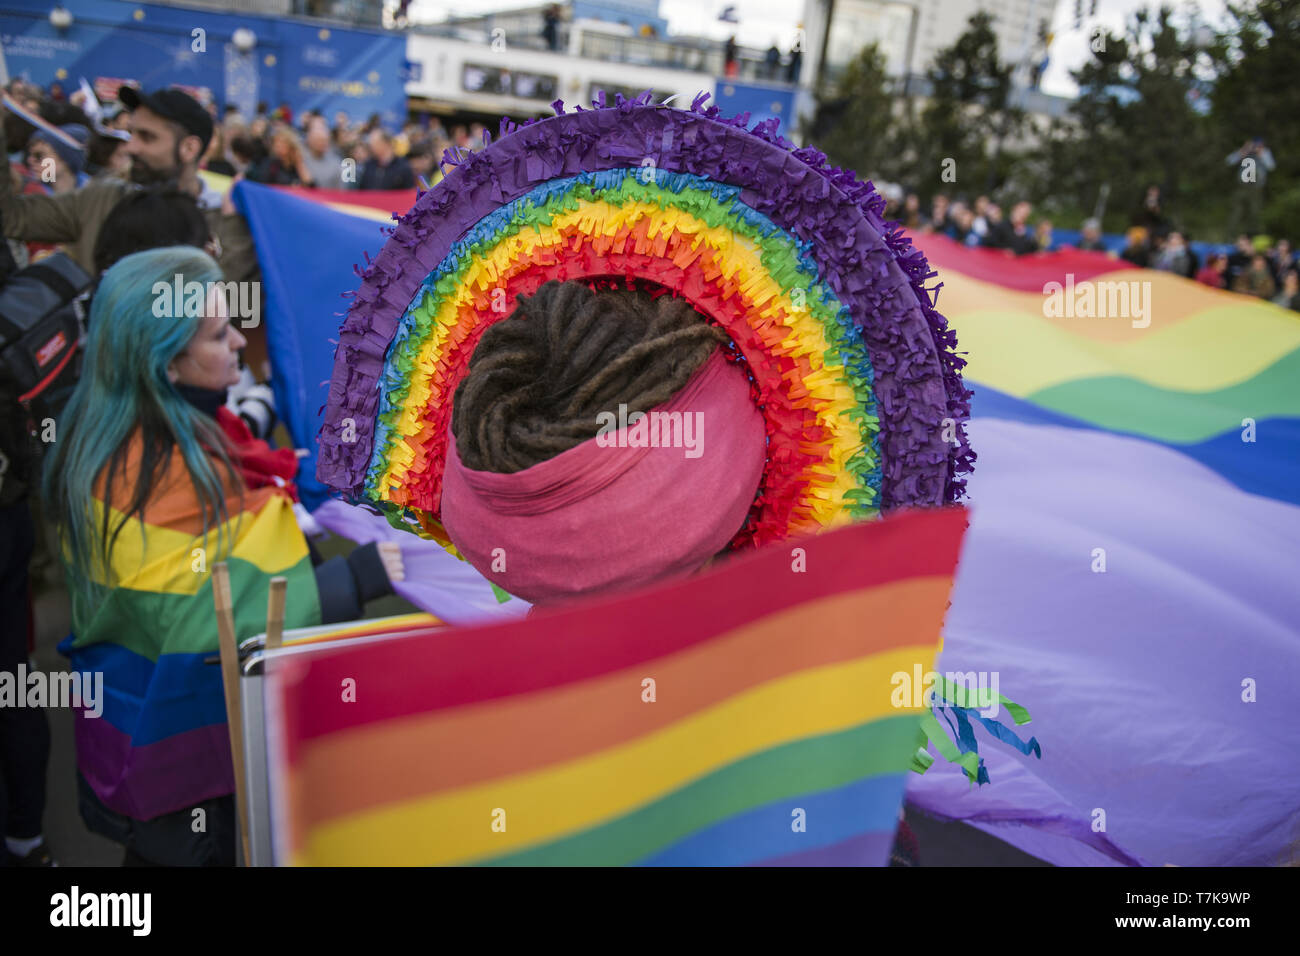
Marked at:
<point>124,388</point>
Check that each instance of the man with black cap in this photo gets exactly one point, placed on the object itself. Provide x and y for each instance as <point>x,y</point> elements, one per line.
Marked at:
<point>169,133</point>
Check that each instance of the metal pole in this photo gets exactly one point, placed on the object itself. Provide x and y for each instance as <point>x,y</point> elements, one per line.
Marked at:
<point>826,36</point>
<point>1102,195</point>
<point>909,60</point>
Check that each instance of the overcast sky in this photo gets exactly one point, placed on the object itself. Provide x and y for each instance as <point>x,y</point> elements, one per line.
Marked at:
<point>761,21</point>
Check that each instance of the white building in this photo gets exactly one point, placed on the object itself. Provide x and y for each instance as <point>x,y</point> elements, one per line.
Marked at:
<point>911,32</point>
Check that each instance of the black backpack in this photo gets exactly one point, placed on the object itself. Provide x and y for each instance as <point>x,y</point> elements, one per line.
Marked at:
<point>42,326</point>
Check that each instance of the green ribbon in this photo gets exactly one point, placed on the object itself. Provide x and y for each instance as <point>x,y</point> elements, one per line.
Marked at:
<point>969,762</point>
<point>933,731</point>
<point>978,701</point>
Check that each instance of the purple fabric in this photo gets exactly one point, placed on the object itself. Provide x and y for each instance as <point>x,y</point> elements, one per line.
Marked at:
<point>435,581</point>
<point>162,774</point>
<point>1133,676</point>
<point>871,266</point>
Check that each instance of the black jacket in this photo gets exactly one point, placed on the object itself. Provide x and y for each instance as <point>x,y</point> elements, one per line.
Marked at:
<point>396,175</point>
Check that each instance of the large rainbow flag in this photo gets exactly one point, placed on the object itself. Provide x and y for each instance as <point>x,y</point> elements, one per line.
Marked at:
<point>1187,366</point>
<point>1131,563</point>
<point>750,715</point>
<point>161,743</point>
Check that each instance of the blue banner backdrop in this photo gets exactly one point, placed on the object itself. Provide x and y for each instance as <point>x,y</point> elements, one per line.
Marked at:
<point>307,65</point>
<point>761,100</point>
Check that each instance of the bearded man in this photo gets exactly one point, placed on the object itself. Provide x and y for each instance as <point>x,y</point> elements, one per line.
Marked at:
<point>169,133</point>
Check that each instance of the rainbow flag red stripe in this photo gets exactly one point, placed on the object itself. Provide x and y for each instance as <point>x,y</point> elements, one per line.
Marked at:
<point>745,716</point>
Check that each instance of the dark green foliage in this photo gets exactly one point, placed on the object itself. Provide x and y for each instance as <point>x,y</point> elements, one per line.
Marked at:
<point>1163,103</point>
<point>854,125</point>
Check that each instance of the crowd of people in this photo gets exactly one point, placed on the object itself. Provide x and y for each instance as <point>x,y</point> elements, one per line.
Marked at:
<point>978,223</point>
<point>1260,266</point>
<point>271,146</point>
<point>313,150</point>
<point>276,146</point>
<point>162,425</point>
<point>159,408</point>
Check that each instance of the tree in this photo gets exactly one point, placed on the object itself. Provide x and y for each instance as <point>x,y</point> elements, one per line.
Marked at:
<point>854,126</point>
<point>1136,123</point>
<point>1257,61</point>
<point>970,115</point>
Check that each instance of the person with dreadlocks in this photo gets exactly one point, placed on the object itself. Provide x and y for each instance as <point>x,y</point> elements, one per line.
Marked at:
<point>529,476</point>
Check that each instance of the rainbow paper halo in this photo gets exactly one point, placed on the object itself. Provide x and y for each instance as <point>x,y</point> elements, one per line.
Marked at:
<point>825,304</point>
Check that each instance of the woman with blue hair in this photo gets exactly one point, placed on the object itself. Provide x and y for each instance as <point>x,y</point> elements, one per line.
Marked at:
<point>151,482</point>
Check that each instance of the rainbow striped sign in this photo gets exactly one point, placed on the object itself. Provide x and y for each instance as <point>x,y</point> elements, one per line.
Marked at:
<point>744,716</point>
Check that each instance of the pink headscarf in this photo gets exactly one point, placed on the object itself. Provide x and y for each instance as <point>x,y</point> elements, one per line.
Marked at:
<point>606,516</point>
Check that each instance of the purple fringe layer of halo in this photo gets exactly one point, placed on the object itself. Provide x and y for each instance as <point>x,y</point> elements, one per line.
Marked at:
<point>869,262</point>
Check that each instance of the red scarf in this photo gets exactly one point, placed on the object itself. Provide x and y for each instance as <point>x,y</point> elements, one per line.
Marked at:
<point>258,462</point>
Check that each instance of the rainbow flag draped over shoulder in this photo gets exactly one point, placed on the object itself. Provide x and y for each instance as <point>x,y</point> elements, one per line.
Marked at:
<point>161,743</point>
<point>749,715</point>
